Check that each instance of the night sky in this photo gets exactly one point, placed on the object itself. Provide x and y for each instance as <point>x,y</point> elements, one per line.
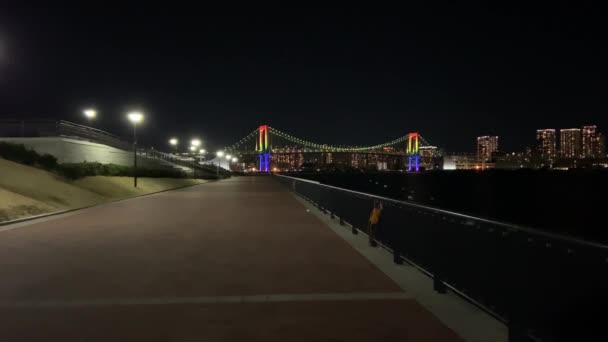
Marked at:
<point>342,76</point>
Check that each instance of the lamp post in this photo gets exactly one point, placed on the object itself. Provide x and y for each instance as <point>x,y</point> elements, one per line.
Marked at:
<point>219,155</point>
<point>135,118</point>
<point>173,142</point>
<point>228,158</point>
<point>202,153</point>
<point>194,146</point>
<point>90,114</point>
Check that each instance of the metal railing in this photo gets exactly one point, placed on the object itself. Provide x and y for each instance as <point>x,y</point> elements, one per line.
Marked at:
<point>543,286</point>
<point>60,128</point>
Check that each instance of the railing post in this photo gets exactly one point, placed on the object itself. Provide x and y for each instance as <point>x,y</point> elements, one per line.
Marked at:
<point>397,257</point>
<point>439,285</point>
<point>517,332</point>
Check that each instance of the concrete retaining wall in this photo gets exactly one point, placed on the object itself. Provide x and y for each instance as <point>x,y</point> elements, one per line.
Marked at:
<point>77,151</point>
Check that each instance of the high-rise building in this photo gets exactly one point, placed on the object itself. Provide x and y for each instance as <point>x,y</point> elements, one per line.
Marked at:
<point>429,157</point>
<point>601,146</point>
<point>486,145</point>
<point>594,143</point>
<point>589,141</point>
<point>570,143</point>
<point>545,139</point>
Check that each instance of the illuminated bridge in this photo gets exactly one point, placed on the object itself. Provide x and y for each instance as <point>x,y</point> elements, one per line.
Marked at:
<point>267,146</point>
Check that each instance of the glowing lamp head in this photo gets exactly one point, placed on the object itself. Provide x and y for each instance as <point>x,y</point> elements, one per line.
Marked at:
<point>202,151</point>
<point>195,142</point>
<point>235,159</point>
<point>228,157</point>
<point>220,153</point>
<point>135,117</point>
<point>173,141</point>
<point>192,148</point>
<point>90,113</point>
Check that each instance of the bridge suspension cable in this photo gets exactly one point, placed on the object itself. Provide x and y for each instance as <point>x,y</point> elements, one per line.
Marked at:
<point>313,147</point>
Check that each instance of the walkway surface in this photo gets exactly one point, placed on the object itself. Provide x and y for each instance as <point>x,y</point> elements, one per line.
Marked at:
<point>235,260</point>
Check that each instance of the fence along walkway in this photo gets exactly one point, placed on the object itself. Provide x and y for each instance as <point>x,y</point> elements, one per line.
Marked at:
<point>542,285</point>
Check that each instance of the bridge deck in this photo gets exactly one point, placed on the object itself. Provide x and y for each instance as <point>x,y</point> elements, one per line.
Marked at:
<point>236,260</point>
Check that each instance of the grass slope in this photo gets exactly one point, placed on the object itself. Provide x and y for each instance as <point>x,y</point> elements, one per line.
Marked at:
<point>43,186</point>
<point>122,187</point>
<point>27,191</point>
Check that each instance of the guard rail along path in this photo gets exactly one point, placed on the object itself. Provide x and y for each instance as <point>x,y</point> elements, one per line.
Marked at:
<point>545,287</point>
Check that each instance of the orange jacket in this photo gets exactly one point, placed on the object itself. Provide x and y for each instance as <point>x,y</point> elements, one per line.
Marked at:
<point>375,216</point>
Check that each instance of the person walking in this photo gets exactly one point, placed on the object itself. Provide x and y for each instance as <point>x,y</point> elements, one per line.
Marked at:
<point>372,225</point>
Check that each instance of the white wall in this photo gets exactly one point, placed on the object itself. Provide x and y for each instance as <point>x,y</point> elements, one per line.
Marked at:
<point>77,151</point>
<point>223,162</point>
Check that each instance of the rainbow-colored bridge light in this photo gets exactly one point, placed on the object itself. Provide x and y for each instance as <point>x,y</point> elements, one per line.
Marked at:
<point>262,147</point>
<point>413,151</point>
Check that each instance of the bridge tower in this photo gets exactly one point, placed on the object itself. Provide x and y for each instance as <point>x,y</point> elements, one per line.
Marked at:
<point>413,152</point>
<point>263,148</point>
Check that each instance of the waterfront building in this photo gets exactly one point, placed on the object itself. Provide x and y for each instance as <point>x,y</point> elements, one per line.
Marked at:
<point>570,143</point>
<point>546,143</point>
<point>486,146</point>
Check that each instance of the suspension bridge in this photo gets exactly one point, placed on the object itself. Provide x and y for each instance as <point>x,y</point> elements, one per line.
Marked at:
<point>270,146</point>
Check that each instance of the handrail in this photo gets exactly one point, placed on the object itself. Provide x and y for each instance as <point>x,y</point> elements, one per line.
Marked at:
<point>509,226</point>
<point>89,128</point>
<point>534,281</point>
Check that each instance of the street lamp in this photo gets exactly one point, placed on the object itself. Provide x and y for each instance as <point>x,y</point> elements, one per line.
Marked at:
<point>202,153</point>
<point>90,114</point>
<point>173,142</point>
<point>195,142</point>
<point>235,159</point>
<point>219,155</point>
<point>135,118</point>
<point>192,148</point>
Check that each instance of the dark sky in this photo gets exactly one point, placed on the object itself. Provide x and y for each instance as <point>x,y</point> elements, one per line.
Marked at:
<point>343,76</point>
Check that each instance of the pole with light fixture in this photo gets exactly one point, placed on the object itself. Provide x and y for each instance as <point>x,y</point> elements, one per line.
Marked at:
<point>135,118</point>
<point>202,153</point>
<point>219,155</point>
<point>228,158</point>
<point>173,142</point>
<point>90,114</point>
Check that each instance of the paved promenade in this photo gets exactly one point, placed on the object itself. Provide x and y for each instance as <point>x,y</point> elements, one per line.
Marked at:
<point>235,260</point>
